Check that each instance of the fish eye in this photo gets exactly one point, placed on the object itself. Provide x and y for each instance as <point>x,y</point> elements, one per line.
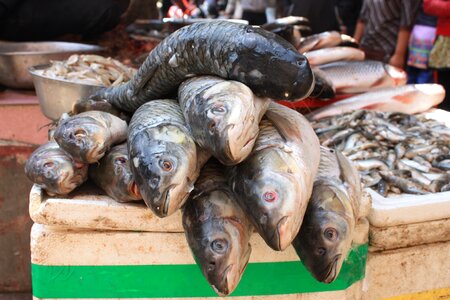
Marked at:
<point>120,160</point>
<point>49,165</point>
<point>331,234</point>
<point>80,133</point>
<point>219,246</point>
<point>321,251</point>
<point>270,196</point>
<point>165,165</point>
<point>219,109</point>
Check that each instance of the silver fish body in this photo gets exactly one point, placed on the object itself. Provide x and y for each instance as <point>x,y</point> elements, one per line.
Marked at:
<point>326,235</point>
<point>113,175</point>
<point>332,54</point>
<point>223,116</point>
<point>164,158</point>
<point>318,41</point>
<point>217,230</point>
<point>88,135</point>
<point>274,183</point>
<point>409,99</point>
<point>350,77</point>
<point>55,170</point>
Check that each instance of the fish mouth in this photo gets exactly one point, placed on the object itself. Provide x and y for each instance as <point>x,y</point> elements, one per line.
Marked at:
<point>133,190</point>
<point>280,240</point>
<point>96,153</point>
<point>331,271</point>
<point>223,283</point>
<point>165,203</point>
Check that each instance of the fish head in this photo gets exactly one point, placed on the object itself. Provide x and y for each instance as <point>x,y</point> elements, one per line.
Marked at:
<point>272,66</point>
<point>220,244</point>
<point>163,169</point>
<point>53,169</point>
<point>231,121</point>
<point>325,238</point>
<point>117,175</point>
<point>271,196</point>
<point>83,137</point>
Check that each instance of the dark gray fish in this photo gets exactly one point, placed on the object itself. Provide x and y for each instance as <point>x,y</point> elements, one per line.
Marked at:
<point>274,183</point>
<point>217,230</point>
<point>260,59</point>
<point>223,116</point>
<point>326,235</point>
<point>87,136</point>
<point>114,176</point>
<point>54,170</point>
<point>164,159</point>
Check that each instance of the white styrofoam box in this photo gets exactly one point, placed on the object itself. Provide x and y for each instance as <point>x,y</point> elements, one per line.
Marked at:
<point>69,263</point>
<point>89,207</point>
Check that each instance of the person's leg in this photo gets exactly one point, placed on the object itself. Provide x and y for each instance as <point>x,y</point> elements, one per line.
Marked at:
<point>412,74</point>
<point>48,19</point>
<point>444,80</point>
<point>425,76</point>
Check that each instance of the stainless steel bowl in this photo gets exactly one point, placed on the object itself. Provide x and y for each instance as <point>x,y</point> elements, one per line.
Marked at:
<point>57,96</point>
<point>16,58</point>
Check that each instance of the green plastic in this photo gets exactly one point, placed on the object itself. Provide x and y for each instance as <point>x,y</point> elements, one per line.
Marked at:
<point>167,281</point>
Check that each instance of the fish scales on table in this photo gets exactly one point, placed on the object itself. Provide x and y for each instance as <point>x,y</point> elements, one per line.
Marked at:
<point>222,115</point>
<point>164,159</point>
<point>263,61</point>
<point>394,152</point>
<point>217,229</point>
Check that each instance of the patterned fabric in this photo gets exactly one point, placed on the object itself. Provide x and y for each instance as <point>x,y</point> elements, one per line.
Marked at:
<point>420,44</point>
<point>383,19</point>
<point>440,54</point>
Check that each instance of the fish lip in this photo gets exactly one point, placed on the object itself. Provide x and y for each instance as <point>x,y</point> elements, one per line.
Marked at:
<point>331,272</point>
<point>275,241</point>
<point>133,189</point>
<point>96,152</point>
<point>166,202</point>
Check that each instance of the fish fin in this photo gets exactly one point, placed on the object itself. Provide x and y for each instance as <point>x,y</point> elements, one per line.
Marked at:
<point>288,122</point>
<point>350,176</point>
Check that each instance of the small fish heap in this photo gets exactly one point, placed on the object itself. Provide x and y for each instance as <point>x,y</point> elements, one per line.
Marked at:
<point>395,153</point>
<point>89,69</point>
<point>205,137</point>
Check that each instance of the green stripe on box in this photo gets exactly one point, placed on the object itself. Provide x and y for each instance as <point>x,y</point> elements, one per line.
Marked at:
<point>167,281</point>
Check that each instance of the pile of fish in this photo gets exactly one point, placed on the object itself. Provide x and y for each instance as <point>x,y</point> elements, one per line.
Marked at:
<point>89,69</point>
<point>395,153</point>
<point>205,137</point>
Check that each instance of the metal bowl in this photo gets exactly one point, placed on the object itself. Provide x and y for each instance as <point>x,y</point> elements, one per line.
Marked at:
<point>16,58</point>
<point>57,96</point>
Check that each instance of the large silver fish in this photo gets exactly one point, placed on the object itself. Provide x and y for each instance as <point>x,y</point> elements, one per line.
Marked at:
<point>350,77</point>
<point>114,176</point>
<point>164,158</point>
<point>329,55</point>
<point>217,230</point>
<point>54,170</point>
<point>88,135</point>
<point>318,41</point>
<point>273,185</point>
<point>326,235</point>
<point>223,116</point>
<point>410,99</point>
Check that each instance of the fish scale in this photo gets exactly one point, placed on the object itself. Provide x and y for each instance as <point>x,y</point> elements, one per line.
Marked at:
<point>162,111</point>
<point>216,48</point>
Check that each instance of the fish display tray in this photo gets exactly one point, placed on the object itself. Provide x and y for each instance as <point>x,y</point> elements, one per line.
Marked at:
<point>93,247</point>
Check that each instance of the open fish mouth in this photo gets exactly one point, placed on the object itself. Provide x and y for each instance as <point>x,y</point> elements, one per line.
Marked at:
<point>223,283</point>
<point>133,189</point>
<point>331,272</point>
<point>278,239</point>
<point>96,152</point>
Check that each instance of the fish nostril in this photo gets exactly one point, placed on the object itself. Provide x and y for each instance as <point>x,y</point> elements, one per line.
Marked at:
<point>154,182</point>
<point>211,266</point>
